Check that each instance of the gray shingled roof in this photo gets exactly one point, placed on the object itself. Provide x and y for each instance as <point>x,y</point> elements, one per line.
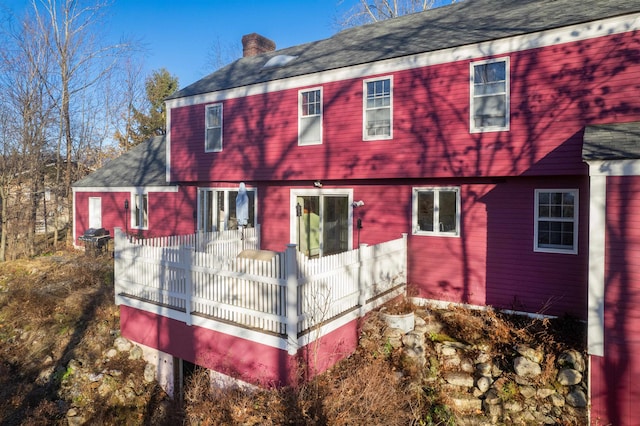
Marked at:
<point>618,141</point>
<point>143,165</point>
<point>459,24</point>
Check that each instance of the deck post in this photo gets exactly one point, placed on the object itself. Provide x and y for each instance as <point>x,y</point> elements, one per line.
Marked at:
<point>362,285</point>
<point>291,265</point>
<point>185,261</point>
<point>404,258</point>
<point>118,242</point>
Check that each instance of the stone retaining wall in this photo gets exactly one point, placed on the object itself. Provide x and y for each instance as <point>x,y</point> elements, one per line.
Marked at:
<point>486,384</point>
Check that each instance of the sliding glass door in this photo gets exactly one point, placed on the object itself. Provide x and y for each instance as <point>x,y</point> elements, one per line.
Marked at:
<point>321,223</point>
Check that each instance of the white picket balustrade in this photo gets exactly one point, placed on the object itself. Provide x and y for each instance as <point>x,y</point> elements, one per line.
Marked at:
<point>205,274</point>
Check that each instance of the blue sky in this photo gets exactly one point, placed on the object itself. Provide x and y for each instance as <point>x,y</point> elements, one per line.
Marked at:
<point>178,35</point>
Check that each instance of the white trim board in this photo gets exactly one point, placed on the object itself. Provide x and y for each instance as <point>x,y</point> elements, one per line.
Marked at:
<point>596,280</point>
<point>614,168</point>
<point>598,172</point>
<point>136,189</point>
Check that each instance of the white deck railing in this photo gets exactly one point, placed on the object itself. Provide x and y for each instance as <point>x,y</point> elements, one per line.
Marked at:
<point>212,276</point>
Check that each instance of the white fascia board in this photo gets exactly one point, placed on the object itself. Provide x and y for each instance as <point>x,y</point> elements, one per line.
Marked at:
<point>136,189</point>
<point>573,33</point>
<point>168,146</point>
<point>614,168</point>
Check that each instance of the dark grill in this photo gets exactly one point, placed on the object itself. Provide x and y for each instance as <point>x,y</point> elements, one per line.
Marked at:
<point>96,240</point>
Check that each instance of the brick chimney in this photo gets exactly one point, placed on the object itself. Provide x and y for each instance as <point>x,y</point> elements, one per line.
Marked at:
<point>254,44</point>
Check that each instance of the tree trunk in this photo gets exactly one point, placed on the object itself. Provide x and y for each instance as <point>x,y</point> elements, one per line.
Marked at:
<point>4,221</point>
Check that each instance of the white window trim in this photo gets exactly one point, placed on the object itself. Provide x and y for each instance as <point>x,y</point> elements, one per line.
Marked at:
<point>226,190</point>
<point>365,137</point>
<point>506,127</point>
<point>576,209</point>
<point>300,117</point>
<point>414,211</point>
<point>206,126</point>
<point>132,206</point>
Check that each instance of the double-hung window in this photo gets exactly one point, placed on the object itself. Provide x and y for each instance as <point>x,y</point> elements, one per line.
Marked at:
<point>556,220</point>
<point>213,137</point>
<point>140,217</point>
<point>310,117</point>
<point>378,109</point>
<point>490,95</point>
<point>436,211</point>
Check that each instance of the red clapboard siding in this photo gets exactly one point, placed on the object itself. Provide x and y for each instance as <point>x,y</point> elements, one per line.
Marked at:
<point>614,390</point>
<point>622,273</point>
<point>517,276</point>
<point>614,393</point>
<point>555,91</point>
<point>492,262</point>
<point>113,214</point>
<point>170,213</point>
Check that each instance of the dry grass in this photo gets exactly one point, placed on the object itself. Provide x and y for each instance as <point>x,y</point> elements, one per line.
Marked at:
<point>356,393</point>
<point>54,309</point>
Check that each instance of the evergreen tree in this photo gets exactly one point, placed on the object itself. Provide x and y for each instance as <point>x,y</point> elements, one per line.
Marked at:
<point>152,122</point>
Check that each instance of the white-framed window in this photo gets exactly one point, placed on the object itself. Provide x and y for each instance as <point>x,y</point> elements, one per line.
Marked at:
<point>140,213</point>
<point>213,134</point>
<point>556,221</point>
<point>490,95</point>
<point>378,109</point>
<point>310,116</point>
<point>436,211</point>
<point>217,209</point>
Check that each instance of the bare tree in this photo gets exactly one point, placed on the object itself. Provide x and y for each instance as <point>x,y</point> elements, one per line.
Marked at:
<point>130,99</point>
<point>27,117</point>
<point>70,29</point>
<point>220,54</point>
<point>10,166</point>
<point>369,11</point>
<point>56,81</point>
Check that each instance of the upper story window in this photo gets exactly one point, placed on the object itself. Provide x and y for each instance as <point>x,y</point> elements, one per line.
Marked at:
<point>310,117</point>
<point>556,221</point>
<point>213,138</point>
<point>140,216</point>
<point>436,211</point>
<point>378,109</point>
<point>490,95</point>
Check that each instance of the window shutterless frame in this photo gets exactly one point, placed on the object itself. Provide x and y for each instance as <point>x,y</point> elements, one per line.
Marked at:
<point>140,211</point>
<point>213,128</point>
<point>489,96</point>
<point>436,211</point>
<point>556,221</point>
<point>310,116</point>
<point>377,109</point>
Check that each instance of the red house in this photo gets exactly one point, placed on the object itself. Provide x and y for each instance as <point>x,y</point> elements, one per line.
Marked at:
<point>501,136</point>
<point>124,191</point>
